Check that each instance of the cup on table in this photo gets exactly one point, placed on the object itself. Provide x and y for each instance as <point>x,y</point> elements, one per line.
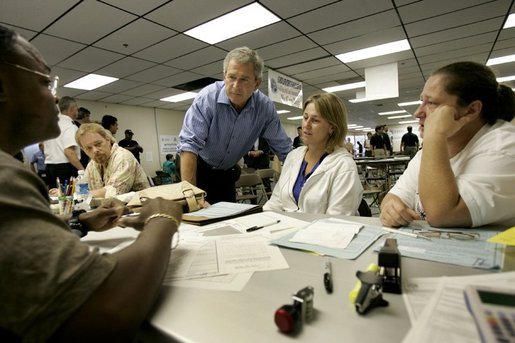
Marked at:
<point>65,204</point>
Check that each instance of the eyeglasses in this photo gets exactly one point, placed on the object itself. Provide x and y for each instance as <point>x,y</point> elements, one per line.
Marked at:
<point>443,234</point>
<point>54,80</point>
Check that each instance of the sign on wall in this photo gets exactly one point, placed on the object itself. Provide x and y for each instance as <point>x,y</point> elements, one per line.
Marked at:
<point>284,89</point>
<point>168,144</point>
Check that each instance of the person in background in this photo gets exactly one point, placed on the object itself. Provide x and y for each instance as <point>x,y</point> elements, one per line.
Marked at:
<point>38,159</point>
<point>223,123</point>
<point>169,166</point>
<point>349,146</point>
<point>360,148</point>
<point>62,154</point>
<point>409,143</point>
<point>83,117</point>
<point>112,170</point>
<point>377,141</point>
<point>110,123</point>
<point>320,177</point>
<point>297,141</point>
<point>464,176</point>
<point>130,144</point>
<point>54,287</point>
<point>259,156</point>
<point>368,145</point>
<point>388,140</point>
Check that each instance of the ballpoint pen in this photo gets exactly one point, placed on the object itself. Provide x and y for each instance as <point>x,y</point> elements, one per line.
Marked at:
<point>254,228</point>
<point>328,276</point>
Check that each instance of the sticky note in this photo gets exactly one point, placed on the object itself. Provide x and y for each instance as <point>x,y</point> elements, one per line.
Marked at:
<point>506,237</point>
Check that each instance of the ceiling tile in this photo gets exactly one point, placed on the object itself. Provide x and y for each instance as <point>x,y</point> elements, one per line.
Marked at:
<point>125,66</point>
<point>170,48</point>
<point>155,73</point>
<point>135,36</point>
<point>137,7</point>
<point>90,59</point>
<point>77,25</point>
<point>17,12</point>
<point>56,49</point>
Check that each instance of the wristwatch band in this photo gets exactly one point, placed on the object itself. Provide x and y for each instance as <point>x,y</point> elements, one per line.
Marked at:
<point>75,225</point>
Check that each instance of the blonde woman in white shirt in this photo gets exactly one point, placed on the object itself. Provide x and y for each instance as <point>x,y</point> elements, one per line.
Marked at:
<point>321,176</point>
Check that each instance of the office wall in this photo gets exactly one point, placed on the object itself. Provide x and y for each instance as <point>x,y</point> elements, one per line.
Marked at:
<point>148,124</point>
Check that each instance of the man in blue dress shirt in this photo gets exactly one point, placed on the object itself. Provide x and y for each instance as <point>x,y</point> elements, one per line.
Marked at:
<point>223,123</point>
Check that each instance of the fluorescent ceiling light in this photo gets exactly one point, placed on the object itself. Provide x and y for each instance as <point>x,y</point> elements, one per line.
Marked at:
<point>409,103</point>
<point>345,87</point>
<point>391,112</point>
<point>510,22</point>
<point>408,122</point>
<point>506,78</point>
<point>180,97</point>
<point>282,111</point>
<point>294,118</point>
<point>233,24</point>
<point>402,116</point>
<point>500,60</point>
<point>90,82</point>
<point>374,51</point>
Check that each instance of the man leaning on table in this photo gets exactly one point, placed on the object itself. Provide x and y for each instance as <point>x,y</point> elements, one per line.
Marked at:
<point>464,176</point>
<point>53,287</point>
<point>223,123</point>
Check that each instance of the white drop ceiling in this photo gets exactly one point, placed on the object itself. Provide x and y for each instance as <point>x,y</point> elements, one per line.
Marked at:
<point>142,43</point>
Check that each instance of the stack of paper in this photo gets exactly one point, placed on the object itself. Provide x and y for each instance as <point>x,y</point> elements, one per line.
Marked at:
<point>437,307</point>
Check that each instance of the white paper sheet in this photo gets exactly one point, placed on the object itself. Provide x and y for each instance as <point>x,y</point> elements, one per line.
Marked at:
<point>332,233</point>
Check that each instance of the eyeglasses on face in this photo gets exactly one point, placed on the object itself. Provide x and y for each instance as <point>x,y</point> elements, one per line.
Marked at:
<point>53,80</point>
<point>443,234</point>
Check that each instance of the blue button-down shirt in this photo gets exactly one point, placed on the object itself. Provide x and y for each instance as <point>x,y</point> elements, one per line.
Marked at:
<point>221,136</point>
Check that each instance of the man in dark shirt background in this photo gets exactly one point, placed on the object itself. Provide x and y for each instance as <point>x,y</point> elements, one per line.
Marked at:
<point>378,143</point>
<point>409,143</point>
<point>130,144</point>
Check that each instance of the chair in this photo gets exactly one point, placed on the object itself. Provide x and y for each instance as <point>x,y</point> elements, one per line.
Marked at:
<point>165,178</point>
<point>249,187</point>
<point>267,176</point>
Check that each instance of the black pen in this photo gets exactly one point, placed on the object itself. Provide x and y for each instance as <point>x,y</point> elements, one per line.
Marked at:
<point>328,278</point>
<point>254,228</point>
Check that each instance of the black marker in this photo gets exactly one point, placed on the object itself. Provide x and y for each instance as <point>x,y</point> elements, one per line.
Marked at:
<point>328,278</point>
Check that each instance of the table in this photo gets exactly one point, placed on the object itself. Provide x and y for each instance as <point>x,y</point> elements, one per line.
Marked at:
<point>196,315</point>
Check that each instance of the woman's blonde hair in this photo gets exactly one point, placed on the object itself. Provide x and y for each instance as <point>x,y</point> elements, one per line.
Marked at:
<point>332,109</point>
<point>93,128</point>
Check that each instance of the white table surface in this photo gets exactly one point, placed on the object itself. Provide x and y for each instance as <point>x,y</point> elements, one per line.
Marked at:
<point>198,315</point>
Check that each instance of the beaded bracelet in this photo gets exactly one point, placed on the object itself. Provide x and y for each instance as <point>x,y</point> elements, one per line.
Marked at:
<point>167,216</point>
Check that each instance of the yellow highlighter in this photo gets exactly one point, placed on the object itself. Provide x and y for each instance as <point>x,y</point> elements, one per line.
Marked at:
<point>372,267</point>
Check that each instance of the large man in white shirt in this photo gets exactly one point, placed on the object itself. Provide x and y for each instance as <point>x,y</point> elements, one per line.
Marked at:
<point>62,154</point>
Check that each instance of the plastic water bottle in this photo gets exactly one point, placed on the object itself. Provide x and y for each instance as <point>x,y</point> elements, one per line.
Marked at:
<point>81,191</point>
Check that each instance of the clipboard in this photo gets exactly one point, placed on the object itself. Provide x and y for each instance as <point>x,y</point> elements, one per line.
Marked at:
<point>220,211</point>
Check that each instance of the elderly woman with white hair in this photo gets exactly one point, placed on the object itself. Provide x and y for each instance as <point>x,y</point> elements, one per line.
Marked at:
<point>112,170</point>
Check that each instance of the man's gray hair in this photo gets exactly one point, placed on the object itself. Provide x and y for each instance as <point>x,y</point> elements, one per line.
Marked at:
<point>244,55</point>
